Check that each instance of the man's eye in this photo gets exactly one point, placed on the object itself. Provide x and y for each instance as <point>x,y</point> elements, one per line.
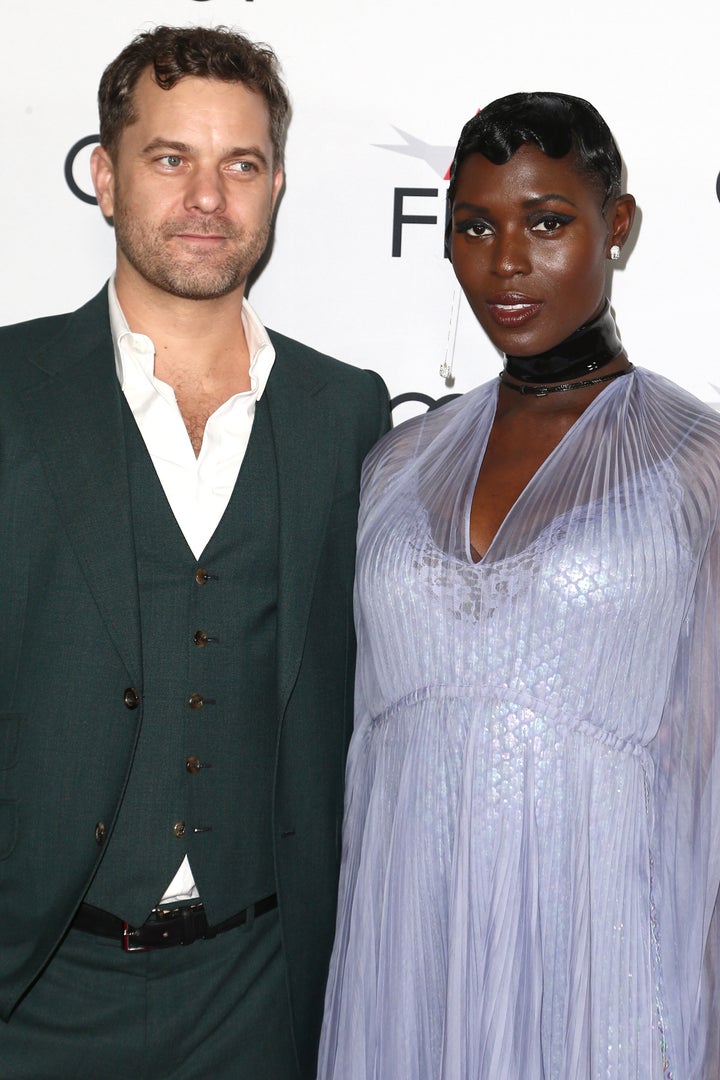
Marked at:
<point>243,166</point>
<point>172,160</point>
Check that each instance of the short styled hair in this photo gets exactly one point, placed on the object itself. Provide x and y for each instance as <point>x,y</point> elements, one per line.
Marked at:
<point>208,53</point>
<point>556,123</point>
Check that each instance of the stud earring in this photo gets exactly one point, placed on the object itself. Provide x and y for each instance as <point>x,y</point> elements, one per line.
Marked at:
<point>615,252</point>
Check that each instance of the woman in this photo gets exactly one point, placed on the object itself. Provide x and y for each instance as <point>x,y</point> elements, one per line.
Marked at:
<point>532,848</point>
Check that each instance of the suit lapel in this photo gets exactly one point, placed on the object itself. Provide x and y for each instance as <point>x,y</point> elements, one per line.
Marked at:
<point>73,407</point>
<point>306,454</point>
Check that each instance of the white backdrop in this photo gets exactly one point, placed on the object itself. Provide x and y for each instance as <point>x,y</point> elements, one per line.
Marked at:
<point>380,91</point>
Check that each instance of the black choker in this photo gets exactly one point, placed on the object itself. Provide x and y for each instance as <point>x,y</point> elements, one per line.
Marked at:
<point>590,347</point>
<point>559,388</point>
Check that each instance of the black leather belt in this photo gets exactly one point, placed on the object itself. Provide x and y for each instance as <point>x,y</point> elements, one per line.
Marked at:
<point>165,927</point>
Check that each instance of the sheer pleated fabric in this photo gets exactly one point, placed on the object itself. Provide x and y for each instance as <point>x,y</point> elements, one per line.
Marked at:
<point>531,849</point>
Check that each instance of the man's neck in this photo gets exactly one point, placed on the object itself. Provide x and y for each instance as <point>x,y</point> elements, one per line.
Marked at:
<point>201,339</point>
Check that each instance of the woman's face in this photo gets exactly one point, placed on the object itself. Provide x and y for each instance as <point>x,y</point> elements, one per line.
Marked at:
<point>529,245</point>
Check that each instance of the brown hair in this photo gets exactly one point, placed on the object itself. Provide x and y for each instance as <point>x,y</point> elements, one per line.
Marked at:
<point>209,53</point>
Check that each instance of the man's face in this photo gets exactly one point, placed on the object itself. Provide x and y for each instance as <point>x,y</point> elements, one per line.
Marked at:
<point>191,187</point>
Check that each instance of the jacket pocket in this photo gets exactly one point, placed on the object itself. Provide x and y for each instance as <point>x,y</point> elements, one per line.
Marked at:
<point>9,732</point>
<point>8,826</point>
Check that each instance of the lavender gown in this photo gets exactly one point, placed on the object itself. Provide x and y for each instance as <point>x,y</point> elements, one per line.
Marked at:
<point>532,836</point>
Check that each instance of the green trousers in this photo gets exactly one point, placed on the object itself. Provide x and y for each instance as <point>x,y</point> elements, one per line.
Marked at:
<point>214,1010</point>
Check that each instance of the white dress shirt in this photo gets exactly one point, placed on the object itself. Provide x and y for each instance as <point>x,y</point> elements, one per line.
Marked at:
<point>198,489</point>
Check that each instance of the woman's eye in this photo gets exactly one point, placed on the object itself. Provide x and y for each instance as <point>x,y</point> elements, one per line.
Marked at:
<point>474,228</point>
<point>551,223</point>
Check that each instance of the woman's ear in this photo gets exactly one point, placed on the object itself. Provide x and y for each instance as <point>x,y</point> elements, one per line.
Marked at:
<point>620,221</point>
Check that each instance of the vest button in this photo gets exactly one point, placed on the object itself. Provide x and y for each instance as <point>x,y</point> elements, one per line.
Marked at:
<point>193,765</point>
<point>201,639</point>
<point>201,576</point>
<point>179,829</point>
<point>196,701</point>
<point>131,698</point>
<point>100,833</point>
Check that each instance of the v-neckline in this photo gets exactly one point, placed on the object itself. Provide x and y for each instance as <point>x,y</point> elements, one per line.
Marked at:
<point>532,482</point>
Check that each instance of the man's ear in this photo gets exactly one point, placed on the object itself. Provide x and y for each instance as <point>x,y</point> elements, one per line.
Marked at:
<point>277,183</point>
<point>103,178</point>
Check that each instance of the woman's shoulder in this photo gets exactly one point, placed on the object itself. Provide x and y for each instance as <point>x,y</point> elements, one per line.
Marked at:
<point>683,411</point>
<point>667,389</point>
<point>679,426</point>
<point>415,435</point>
<point>412,440</point>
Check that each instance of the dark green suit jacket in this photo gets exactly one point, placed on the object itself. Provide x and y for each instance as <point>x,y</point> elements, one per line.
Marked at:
<point>70,637</point>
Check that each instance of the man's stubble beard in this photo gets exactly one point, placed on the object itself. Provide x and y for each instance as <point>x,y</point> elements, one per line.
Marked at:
<point>191,278</point>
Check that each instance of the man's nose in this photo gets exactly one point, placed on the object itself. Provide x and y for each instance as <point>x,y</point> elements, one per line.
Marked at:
<point>205,190</point>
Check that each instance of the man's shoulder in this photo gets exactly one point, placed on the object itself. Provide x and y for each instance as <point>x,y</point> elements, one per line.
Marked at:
<point>33,331</point>
<point>356,399</point>
<point>34,335</point>
<point>306,360</point>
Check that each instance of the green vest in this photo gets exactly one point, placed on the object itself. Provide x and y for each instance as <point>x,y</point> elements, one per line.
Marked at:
<point>202,777</point>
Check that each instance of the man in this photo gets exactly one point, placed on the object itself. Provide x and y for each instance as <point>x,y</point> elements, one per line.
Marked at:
<point>179,492</point>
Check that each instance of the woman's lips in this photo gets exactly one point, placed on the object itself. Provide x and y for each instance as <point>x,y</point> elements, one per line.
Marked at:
<point>513,309</point>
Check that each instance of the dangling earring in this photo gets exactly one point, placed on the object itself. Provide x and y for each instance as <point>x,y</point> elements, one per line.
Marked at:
<point>446,368</point>
<point>615,252</point>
